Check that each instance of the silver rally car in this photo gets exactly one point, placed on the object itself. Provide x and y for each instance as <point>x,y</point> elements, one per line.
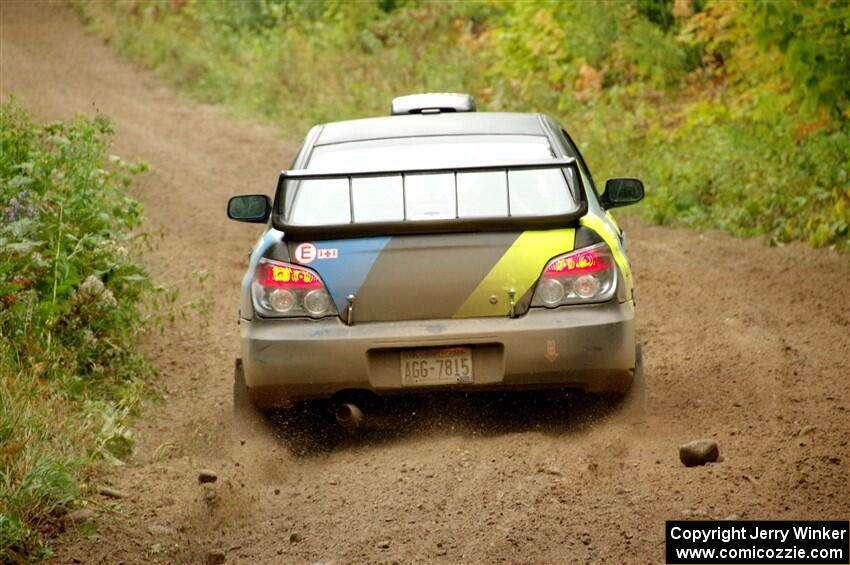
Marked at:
<point>438,248</point>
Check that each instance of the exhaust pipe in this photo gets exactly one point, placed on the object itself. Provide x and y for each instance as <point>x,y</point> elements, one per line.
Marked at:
<point>349,416</point>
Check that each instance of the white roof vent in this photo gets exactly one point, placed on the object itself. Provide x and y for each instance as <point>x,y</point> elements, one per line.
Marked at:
<point>433,103</point>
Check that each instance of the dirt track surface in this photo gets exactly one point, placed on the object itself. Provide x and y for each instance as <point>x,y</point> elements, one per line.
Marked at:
<point>742,343</point>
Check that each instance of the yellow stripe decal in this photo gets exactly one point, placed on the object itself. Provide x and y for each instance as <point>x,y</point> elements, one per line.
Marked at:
<point>611,236</point>
<point>518,269</point>
<point>608,236</point>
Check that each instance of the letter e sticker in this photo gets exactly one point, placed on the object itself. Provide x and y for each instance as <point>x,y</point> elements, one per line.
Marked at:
<point>305,253</point>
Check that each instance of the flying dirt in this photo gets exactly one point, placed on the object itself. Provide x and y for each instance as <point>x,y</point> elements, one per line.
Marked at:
<point>744,344</point>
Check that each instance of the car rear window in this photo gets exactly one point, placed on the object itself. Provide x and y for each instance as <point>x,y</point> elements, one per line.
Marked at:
<point>430,196</point>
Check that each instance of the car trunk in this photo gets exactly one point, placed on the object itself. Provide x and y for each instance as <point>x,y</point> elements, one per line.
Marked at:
<point>433,276</point>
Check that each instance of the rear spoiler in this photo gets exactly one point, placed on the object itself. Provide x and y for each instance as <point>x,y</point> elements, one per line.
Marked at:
<point>500,223</point>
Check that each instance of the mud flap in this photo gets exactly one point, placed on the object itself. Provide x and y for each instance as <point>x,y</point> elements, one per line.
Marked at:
<point>633,403</point>
<point>245,414</point>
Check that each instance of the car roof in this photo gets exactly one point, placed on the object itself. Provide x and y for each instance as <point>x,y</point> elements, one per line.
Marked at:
<point>418,125</point>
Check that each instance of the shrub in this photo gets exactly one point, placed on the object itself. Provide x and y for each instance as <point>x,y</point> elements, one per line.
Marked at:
<point>69,317</point>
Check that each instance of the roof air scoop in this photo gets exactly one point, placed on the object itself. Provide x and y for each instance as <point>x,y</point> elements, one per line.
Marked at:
<point>433,103</point>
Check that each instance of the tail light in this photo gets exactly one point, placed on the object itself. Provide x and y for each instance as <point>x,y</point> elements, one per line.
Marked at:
<point>284,290</point>
<point>585,275</point>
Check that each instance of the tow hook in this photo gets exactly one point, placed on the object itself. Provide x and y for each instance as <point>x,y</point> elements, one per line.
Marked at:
<point>349,314</point>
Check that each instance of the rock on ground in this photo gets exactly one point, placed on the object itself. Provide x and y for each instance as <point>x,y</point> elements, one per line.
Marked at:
<point>81,516</point>
<point>699,452</point>
<point>110,492</point>
<point>207,476</point>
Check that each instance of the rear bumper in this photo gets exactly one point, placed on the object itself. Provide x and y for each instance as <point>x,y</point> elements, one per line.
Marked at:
<point>587,347</point>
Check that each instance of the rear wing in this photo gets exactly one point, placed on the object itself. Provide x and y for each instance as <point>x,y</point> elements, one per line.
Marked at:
<point>288,180</point>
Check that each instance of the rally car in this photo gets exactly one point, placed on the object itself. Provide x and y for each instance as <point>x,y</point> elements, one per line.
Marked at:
<point>437,248</point>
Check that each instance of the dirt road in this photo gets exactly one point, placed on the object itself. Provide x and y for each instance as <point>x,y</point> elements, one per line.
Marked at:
<point>743,343</point>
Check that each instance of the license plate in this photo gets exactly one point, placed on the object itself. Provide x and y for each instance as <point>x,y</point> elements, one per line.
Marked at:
<point>446,365</point>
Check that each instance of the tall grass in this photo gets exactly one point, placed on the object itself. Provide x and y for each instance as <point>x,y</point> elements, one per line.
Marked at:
<point>69,319</point>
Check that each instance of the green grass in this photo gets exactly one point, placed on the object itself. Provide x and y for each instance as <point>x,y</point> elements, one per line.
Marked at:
<point>70,317</point>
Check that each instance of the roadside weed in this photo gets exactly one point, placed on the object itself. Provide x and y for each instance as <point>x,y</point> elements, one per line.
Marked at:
<point>70,289</point>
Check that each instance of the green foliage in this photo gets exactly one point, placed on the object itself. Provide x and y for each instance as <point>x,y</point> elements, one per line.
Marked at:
<point>734,180</point>
<point>735,113</point>
<point>814,38</point>
<point>69,371</point>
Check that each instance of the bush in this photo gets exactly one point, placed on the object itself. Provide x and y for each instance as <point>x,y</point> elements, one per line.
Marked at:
<point>69,318</point>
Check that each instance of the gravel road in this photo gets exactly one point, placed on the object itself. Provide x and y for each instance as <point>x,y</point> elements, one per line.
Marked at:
<point>745,344</point>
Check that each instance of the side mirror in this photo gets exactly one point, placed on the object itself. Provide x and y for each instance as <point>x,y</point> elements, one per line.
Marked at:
<point>252,208</point>
<point>621,192</point>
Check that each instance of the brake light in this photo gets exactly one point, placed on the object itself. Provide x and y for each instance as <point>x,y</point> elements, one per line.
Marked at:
<point>281,275</point>
<point>285,290</point>
<point>585,275</point>
<point>589,261</point>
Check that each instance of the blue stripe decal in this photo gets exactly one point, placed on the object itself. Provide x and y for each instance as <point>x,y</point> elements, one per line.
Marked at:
<point>346,273</point>
<point>266,241</point>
